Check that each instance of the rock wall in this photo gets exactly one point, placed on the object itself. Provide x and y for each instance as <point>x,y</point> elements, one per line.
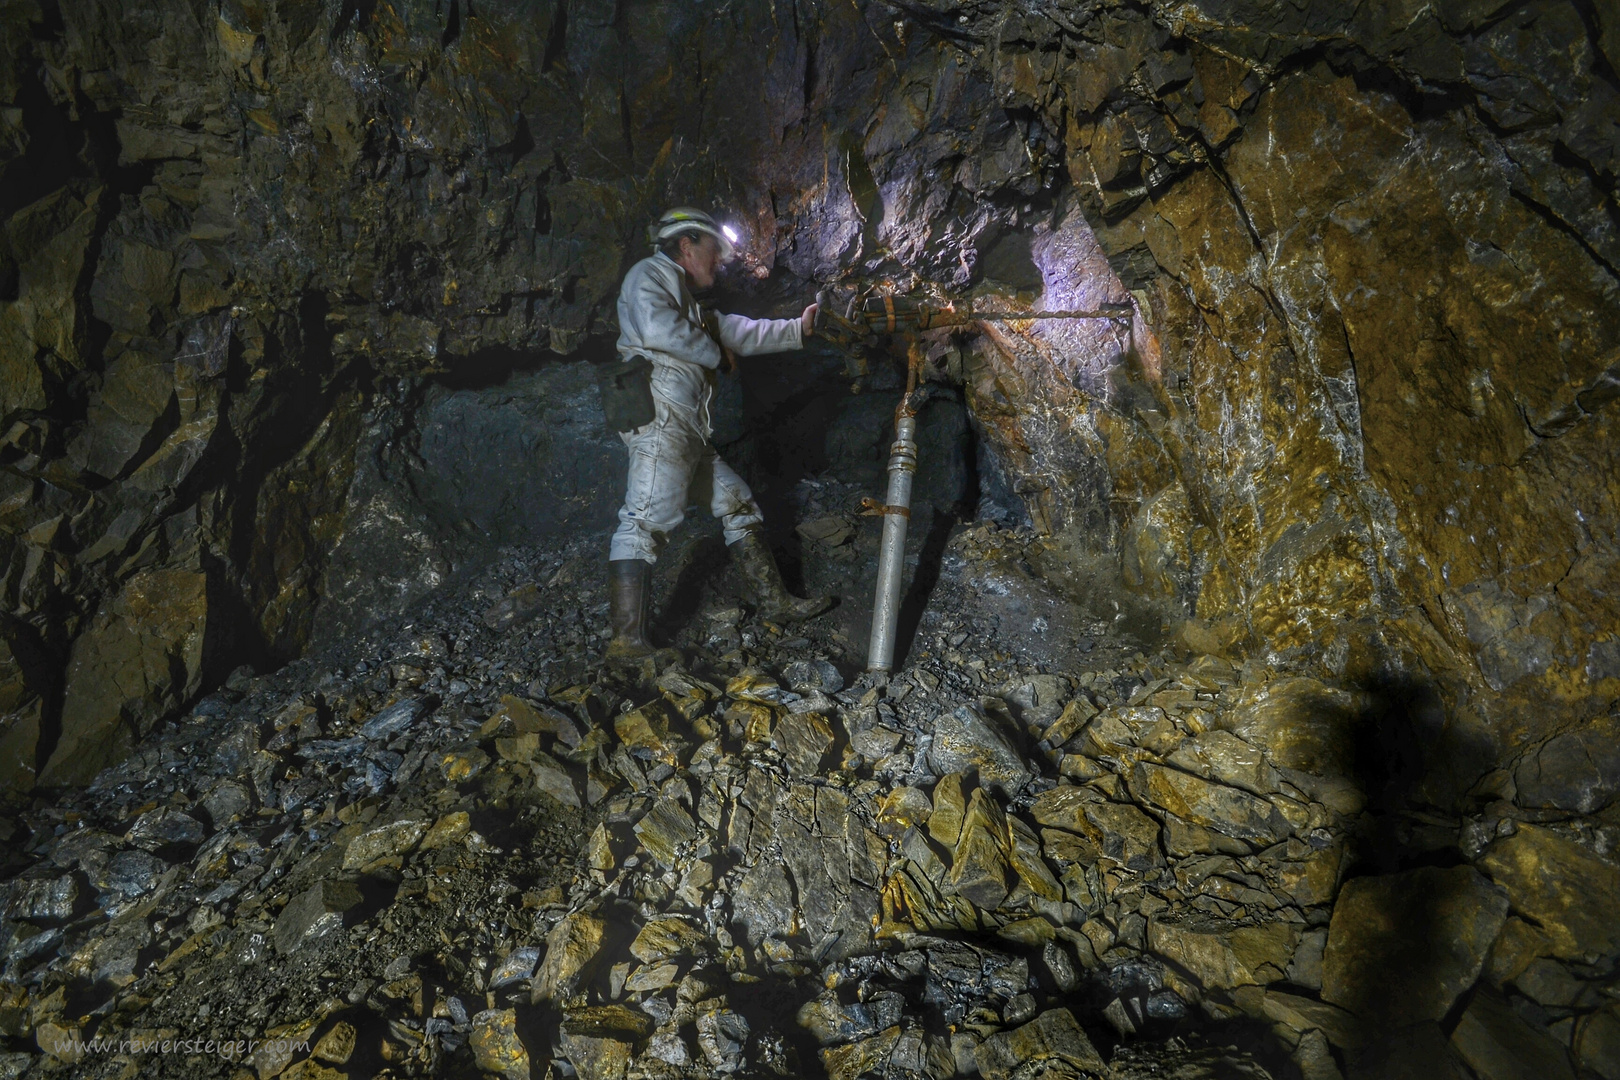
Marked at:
<point>1357,430</point>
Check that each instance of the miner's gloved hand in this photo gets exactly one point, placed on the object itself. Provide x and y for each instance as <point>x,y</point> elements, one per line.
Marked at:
<point>807,321</point>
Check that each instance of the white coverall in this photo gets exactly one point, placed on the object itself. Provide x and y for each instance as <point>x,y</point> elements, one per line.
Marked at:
<point>659,319</point>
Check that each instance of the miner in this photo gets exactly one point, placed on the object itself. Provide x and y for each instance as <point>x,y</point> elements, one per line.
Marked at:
<point>671,352</point>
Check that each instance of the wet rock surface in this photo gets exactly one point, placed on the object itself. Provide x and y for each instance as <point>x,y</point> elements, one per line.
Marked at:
<point>281,280</point>
<point>1267,730</point>
<point>458,850</point>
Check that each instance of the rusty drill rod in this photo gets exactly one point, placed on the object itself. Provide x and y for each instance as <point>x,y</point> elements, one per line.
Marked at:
<point>883,315</point>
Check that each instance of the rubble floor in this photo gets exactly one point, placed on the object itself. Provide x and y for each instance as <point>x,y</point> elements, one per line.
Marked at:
<point>456,845</point>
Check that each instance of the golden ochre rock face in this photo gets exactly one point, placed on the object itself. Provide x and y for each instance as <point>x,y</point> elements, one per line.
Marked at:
<point>1362,422</point>
<point>1364,418</point>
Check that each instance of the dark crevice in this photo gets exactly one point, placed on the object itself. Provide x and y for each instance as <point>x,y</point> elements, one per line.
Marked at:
<point>452,26</point>
<point>542,210</point>
<point>555,57</point>
<point>809,71</point>
<point>626,128</point>
<point>160,430</point>
<point>520,146</point>
<point>43,667</point>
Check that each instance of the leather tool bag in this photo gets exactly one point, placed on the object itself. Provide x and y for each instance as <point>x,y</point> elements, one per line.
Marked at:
<point>626,385</point>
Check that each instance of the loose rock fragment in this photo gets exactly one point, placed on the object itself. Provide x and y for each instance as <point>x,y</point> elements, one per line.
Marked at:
<point>449,829</point>
<point>667,937</point>
<point>571,950</point>
<point>1052,1036</point>
<point>554,778</point>
<point>314,912</point>
<point>646,732</point>
<point>1572,894</point>
<point>1221,954</point>
<point>394,719</point>
<point>518,965</point>
<point>496,1046</point>
<point>1405,946</point>
<point>394,838</point>
<point>163,827</point>
<point>856,1059</point>
<point>979,866</point>
<point>805,676</point>
<point>803,740</point>
<point>1214,806</point>
<point>722,1036</point>
<point>1302,1014</point>
<point>949,806</point>
<point>132,872</point>
<point>1498,1044</point>
<point>603,1021</point>
<point>903,808</point>
<point>966,738</point>
<point>665,829</point>
<point>337,1045</point>
<point>44,901</point>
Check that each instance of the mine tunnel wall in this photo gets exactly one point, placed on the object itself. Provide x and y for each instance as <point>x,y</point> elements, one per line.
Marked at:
<point>1361,429</point>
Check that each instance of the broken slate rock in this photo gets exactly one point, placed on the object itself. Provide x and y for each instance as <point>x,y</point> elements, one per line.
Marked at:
<point>1226,759</point>
<point>608,1021</point>
<point>966,738</point>
<point>227,801</point>
<point>571,950</point>
<point>447,830</point>
<point>945,815</point>
<point>553,777</point>
<point>496,1046</point>
<point>979,867</point>
<point>594,1057</point>
<point>1221,954</point>
<point>804,676</point>
<point>1578,770</point>
<point>1302,1014</point>
<point>665,829</point>
<point>1499,1044</point>
<point>667,937</point>
<point>162,827</point>
<point>1573,894</point>
<point>1125,834</point>
<point>1402,947</point>
<point>863,1057</point>
<point>132,872</point>
<point>394,719</point>
<point>337,1045</point>
<point>722,1036</point>
<point>1226,810</point>
<point>901,809</point>
<point>394,838</point>
<point>803,740</point>
<point>314,912</point>
<point>1052,1036</point>
<point>518,965</point>
<point>50,900</point>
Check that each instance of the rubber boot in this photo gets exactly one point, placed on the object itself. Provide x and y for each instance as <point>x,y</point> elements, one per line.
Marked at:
<point>758,566</point>
<point>629,595</point>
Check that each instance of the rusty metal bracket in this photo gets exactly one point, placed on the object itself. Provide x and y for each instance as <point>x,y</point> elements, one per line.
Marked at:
<point>873,508</point>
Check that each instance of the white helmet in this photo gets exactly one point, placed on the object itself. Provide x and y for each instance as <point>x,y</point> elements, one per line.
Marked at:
<point>685,220</point>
